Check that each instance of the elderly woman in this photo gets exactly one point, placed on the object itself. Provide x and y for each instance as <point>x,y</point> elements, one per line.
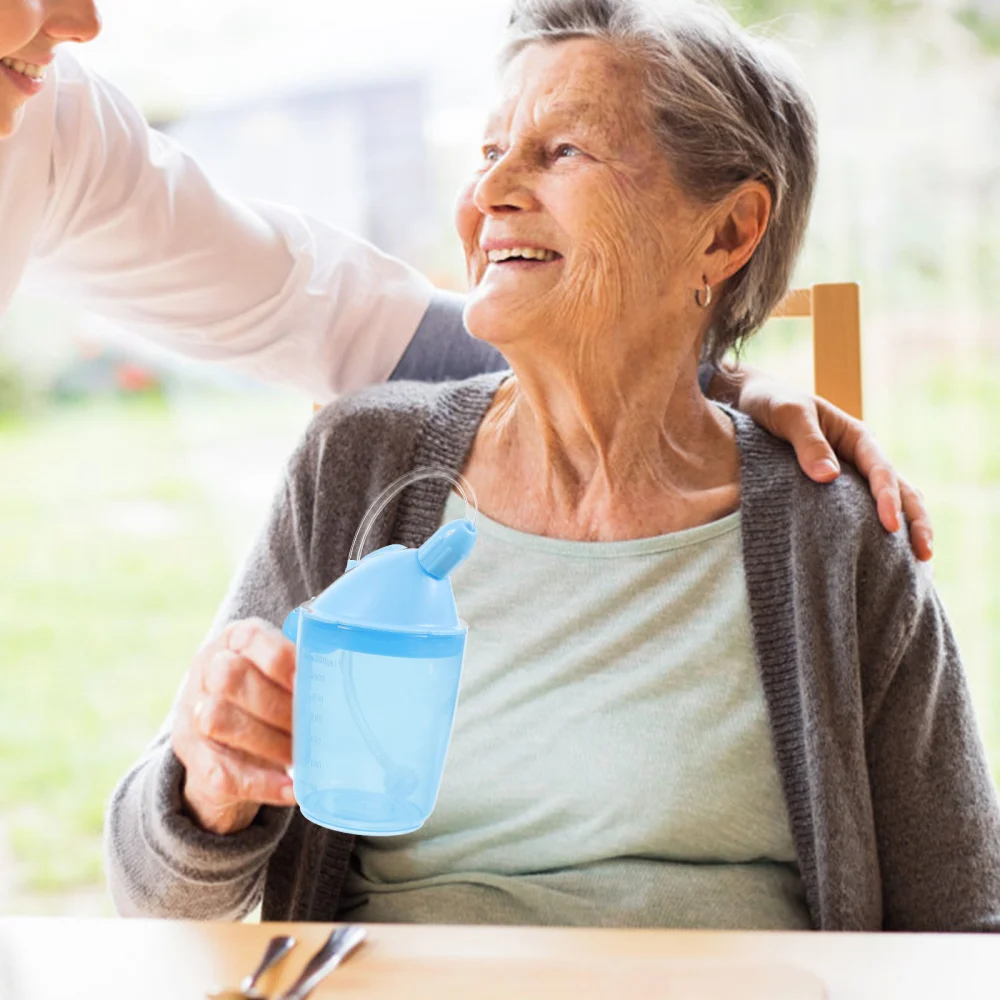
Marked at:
<point>700,690</point>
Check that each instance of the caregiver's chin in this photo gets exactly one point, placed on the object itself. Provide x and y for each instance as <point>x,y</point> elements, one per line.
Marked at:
<point>601,323</point>
<point>30,30</point>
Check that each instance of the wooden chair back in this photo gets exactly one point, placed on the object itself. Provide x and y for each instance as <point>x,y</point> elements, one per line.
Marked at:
<point>836,321</point>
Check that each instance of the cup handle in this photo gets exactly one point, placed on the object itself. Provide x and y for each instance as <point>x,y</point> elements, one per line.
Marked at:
<point>290,629</point>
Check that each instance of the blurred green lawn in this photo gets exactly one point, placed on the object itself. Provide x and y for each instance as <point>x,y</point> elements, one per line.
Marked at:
<point>111,574</point>
<point>114,562</point>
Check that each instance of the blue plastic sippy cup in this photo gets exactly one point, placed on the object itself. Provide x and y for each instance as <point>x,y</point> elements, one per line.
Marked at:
<point>378,663</point>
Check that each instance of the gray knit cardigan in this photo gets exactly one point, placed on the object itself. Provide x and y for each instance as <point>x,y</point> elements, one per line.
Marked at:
<point>893,812</point>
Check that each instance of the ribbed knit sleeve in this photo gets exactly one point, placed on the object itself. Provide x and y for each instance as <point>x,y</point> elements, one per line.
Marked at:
<point>161,864</point>
<point>892,805</point>
<point>936,815</point>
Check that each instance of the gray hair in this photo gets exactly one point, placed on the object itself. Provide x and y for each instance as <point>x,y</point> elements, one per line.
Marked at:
<point>726,107</point>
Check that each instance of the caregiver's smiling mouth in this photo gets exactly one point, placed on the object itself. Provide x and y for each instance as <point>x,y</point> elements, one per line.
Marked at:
<point>27,77</point>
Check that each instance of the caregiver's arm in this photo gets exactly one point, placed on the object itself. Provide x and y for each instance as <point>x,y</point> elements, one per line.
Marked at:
<point>134,229</point>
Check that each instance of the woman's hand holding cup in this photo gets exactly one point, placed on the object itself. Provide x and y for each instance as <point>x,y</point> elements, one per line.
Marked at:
<point>233,728</point>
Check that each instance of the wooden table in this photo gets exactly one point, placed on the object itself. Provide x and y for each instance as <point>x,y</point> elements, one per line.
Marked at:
<point>50,959</point>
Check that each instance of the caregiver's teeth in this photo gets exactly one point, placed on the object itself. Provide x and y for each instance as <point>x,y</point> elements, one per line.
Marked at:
<point>25,69</point>
<point>528,253</point>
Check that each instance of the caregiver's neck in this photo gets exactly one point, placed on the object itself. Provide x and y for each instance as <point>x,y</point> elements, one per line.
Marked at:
<point>611,443</point>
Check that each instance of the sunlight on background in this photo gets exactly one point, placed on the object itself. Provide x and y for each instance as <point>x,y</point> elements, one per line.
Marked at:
<point>134,480</point>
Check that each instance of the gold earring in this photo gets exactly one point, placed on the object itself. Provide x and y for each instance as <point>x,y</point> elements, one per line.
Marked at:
<point>708,295</point>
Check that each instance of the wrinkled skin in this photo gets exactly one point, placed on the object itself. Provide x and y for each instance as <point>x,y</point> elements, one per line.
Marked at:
<point>577,176</point>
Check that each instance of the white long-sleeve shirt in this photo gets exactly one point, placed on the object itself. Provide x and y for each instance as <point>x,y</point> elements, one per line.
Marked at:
<point>96,206</point>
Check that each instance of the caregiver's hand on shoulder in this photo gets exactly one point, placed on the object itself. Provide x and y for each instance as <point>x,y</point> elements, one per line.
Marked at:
<point>817,430</point>
<point>233,728</point>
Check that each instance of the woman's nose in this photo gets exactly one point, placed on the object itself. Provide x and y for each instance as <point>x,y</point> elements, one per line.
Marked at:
<point>73,21</point>
<point>505,187</point>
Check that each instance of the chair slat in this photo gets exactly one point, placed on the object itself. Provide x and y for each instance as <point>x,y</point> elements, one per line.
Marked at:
<point>837,345</point>
<point>798,302</point>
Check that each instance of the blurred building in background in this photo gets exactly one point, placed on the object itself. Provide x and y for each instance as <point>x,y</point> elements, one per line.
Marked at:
<point>353,155</point>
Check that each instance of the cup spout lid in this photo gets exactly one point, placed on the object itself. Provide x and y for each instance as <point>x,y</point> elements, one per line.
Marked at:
<point>447,548</point>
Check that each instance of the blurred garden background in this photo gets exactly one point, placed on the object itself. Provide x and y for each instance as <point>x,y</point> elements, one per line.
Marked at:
<point>132,482</point>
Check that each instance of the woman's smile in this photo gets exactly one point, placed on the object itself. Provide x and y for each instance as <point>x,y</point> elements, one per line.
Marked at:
<point>519,264</point>
<point>514,257</point>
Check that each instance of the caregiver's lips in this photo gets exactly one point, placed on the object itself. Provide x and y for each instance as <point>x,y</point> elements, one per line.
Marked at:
<point>26,84</point>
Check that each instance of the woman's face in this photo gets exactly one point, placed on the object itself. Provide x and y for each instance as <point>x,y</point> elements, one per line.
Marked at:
<point>29,32</point>
<point>572,173</point>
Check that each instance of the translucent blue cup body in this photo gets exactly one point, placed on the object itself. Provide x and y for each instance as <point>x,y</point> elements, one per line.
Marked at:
<point>373,715</point>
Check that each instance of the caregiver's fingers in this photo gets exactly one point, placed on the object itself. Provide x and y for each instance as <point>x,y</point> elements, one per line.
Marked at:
<point>793,418</point>
<point>265,646</point>
<point>857,445</point>
<point>220,721</point>
<point>921,530</point>
<point>797,421</point>
<point>894,496</point>
<point>238,680</point>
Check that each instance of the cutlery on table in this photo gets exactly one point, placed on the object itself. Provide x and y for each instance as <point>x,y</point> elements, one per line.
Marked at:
<point>338,946</point>
<point>276,950</point>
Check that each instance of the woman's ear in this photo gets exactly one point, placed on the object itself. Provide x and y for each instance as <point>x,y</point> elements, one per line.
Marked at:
<point>738,230</point>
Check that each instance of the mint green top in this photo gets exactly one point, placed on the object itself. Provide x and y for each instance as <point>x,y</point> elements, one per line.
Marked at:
<point>611,760</point>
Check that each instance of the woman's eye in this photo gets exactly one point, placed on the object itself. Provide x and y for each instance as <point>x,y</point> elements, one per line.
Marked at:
<point>491,154</point>
<point>565,149</point>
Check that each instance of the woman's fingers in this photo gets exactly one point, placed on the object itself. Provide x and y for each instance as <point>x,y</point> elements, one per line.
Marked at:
<point>232,778</point>
<point>236,679</point>
<point>222,722</point>
<point>265,647</point>
<point>233,728</point>
<point>224,789</point>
